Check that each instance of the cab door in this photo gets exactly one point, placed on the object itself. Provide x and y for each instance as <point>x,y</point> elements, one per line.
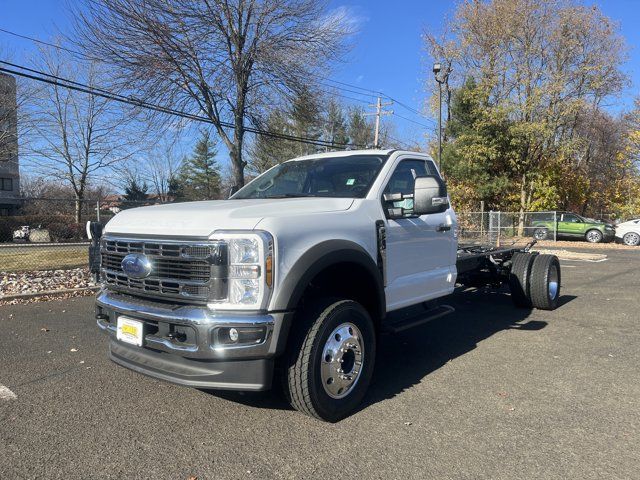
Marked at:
<point>420,251</point>
<point>570,224</point>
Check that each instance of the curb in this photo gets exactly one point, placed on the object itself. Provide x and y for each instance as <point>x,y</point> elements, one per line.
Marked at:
<point>43,245</point>
<point>18,296</point>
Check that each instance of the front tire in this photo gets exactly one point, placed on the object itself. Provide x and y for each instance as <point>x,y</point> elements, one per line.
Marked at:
<point>331,359</point>
<point>594,236</point>
<point>540,233</point>
<point>631,238</point>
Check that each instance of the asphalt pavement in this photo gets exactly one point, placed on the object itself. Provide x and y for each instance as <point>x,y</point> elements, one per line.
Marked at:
<point>488,392</point>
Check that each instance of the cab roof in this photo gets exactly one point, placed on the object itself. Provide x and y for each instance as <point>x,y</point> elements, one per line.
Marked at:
<point>348,153</point>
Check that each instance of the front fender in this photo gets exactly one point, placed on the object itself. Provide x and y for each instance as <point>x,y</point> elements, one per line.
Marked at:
<point>315,260</point>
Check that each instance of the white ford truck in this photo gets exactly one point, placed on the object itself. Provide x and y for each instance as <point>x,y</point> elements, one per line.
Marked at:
<point>292,280</point>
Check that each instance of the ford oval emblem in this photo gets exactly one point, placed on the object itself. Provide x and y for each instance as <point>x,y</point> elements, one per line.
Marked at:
<point>136,265</point>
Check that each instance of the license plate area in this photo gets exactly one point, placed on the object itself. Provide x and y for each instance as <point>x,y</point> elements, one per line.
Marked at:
<point>130,331</point>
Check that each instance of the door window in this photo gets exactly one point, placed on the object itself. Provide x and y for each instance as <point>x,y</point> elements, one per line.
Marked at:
<point>404,176</point>
<point>571,218</point>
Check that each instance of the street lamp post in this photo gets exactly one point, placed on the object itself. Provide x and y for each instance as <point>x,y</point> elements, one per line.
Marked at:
<point>437,67</point>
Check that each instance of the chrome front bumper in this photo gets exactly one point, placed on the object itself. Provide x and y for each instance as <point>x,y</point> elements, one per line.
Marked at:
<point>195,360</point>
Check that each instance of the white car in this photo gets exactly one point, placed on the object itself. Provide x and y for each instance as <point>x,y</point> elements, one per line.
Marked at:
<point>629,232</point>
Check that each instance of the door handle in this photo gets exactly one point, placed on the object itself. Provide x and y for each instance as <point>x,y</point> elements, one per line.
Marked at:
<point>443,227</point>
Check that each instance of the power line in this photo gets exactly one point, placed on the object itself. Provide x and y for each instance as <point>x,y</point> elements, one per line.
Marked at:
<point>375,93</point>
<point>399,142</point>
<point>412,121</point>
<point>333,83</point>
<point>42,42</point>
<point>99,92</point>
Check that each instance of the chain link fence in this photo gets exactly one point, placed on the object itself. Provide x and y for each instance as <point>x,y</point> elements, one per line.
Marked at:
<point>500,228</point>
<point>503,228</point>
<point>44,247</point>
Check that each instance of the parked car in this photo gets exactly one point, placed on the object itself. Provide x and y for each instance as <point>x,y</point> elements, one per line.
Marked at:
<point>293,279</point>
<point>22,234</point>
<point>629,232</point>
<point>572,225</point>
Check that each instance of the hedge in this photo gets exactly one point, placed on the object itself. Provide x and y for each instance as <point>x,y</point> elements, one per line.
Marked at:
<point>62,228</point>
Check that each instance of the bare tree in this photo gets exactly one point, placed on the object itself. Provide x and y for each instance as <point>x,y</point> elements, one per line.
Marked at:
<point>225,59</point>
<point>75,136</point>
<point>161,171</point>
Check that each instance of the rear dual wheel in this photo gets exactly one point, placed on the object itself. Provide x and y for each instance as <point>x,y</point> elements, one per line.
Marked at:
<point>534,281</point>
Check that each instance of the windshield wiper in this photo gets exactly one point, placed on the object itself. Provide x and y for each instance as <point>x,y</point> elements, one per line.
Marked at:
<point>291,195</point>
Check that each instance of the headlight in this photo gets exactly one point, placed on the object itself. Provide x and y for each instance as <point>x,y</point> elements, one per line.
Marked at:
<point>245,275</point>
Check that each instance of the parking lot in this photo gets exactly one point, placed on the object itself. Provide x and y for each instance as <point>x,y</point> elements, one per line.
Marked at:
<point>487,392</point>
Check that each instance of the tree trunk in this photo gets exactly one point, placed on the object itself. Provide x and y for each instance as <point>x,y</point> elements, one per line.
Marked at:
<point>523,204</point>
<point>237,167</point>
<point>78,209</point>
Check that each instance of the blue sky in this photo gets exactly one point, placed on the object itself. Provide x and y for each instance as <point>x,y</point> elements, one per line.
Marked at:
<point>388,53</point>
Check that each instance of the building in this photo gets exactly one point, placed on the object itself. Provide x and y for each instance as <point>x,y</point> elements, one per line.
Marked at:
<point>9,169</point>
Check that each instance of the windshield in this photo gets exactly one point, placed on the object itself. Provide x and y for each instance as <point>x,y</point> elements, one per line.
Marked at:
<point>349,177</point>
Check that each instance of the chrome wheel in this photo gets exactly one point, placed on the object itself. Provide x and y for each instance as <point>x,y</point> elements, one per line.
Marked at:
<point>554,282</point>
<point>632,239</point>
<point>342,359</point>
<point>540,234</point>
<point>594,236</point>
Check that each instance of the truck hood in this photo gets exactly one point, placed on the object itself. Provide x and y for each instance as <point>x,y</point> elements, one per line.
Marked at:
<point>201,219</point>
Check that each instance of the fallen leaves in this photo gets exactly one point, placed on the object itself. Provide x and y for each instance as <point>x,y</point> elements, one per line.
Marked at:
<point>13,283</point>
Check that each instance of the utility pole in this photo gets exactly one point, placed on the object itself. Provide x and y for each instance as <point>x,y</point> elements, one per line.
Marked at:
<point>444,78</point>
<point>378,106</point>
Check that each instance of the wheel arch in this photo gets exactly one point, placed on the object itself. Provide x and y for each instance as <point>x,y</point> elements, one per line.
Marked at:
<point>596,228</point>
<point>335,265</point>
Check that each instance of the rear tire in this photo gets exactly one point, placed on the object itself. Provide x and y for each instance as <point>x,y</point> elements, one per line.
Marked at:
<point>519,276</point>
<point>331,359</point>
<point>631,238</point>
<point>594,236</point>
<point>545,282</point>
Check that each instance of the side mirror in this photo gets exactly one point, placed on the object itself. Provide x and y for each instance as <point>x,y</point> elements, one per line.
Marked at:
<point>429,195</point>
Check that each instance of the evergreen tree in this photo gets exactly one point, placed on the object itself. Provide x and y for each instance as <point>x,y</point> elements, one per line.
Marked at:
<point>306,122</point>
<point>360,129</point>
<point>265,151</point>
<point>302,119</point>
<point>335,129</point>
<point>199,176</point>
<point>135,193</point>
<point>482,144</point>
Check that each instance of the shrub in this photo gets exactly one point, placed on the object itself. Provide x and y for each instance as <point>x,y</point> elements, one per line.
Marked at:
<point>65,232</point>
<point>6,229</point>
<point>62,228</point>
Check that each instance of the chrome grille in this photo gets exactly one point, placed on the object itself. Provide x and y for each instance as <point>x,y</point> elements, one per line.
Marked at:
<point>180,269</point>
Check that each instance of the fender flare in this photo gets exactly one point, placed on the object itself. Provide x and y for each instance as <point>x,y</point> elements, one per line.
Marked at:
<point>315,260</point>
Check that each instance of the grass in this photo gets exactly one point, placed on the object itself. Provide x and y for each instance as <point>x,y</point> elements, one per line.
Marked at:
<point>43,258</point>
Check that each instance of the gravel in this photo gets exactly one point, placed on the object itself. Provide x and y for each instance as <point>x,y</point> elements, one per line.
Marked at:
<point>17,283</point>
<point>586,245</point>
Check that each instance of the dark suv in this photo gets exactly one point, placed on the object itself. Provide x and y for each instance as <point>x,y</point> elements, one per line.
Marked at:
<point>571,225</point>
